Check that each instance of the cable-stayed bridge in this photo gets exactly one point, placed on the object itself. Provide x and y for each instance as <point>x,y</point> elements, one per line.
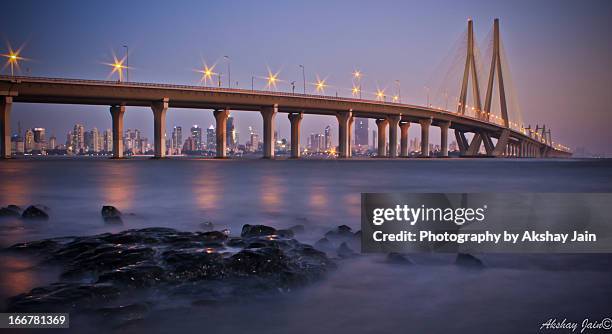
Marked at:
<point>483,115</point>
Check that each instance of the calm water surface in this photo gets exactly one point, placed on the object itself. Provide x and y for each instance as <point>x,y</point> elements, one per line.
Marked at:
<point>513,294</point>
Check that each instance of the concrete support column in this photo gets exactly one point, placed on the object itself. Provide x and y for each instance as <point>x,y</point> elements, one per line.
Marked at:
<point>382,137</point>
<point>221,131</point>
<point>344,118</point>
<point>268,114</point>
<point>295,120</point>
<point>404,139</point>
<point>159,128</point>
<point>425,123</point>
<point>393,124</point>
<point>350,135</point>
<point>6,103</point>
<point>117,113</point>
<point>444,126</point>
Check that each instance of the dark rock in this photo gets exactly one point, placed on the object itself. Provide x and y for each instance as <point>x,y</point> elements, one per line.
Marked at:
<point>141,275</point>
<point>40,246</point>
<point>199,265</point>
<point>10,211</point>
<point>250,231</point>
<point>323,244</point>
<point>342,232</point>
<point>207,226</point>
<point>111,214</point>
<point>468,261</point>
<point>236,242</point>
<point>194,265</point>
<point>62,296</point>
<point>285,233</point>
<point>259,261</point>
<point>34,212</point>
<point>344,229</point>
<point>213,236</point>
<point>397,258</point>
<point>344,251</point>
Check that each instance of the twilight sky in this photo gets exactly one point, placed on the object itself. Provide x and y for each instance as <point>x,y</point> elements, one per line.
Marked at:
<point>560,53</point>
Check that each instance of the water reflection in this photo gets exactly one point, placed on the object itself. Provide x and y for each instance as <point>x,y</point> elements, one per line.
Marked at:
<point>271,192</point>
<point>119,189</point>
<point>318,197</point>
<point>19,191</point>
<point>207,189</point>
<point>17,275</point>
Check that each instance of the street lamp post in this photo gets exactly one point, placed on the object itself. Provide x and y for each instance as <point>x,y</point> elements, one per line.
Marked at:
<point>127,63</point>
<point>252,82</point>
<point>399,90</point>
<point>229,73</point>
<point>304,77</point>
<point>293,87</point>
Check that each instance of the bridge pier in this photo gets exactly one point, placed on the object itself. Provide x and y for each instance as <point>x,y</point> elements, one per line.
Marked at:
<point>393,124</point>
<point>444,126</point>
<point>6,103</point>
<point>117,113</point>
<point>404,127</point>
<point>382,136</point>
<point>350,135</point>
<point>268,114</point>
<point>344,120</point>
<point>295,119</point>
<point>221,117</point>
<point>425,123</point>
<point>160,108</point>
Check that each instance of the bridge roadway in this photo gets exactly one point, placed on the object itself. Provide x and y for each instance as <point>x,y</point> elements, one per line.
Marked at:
<point>389,116</point>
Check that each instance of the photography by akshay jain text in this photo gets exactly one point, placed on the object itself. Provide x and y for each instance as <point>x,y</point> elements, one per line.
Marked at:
<point>486,222</point>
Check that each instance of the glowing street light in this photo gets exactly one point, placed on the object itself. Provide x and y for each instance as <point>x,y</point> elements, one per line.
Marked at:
<point>320,85</point>
<point>272,79</point>
<point>380,94</point>
<point>12,59</point>
<point>118,67</point>
<point>395,98</point>
<point>356,91</point>
<point>357,76</point>
<point>207,74</point>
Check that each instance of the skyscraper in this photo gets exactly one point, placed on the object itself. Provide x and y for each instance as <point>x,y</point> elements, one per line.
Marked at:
<point>29,141</point>
<point>52,143</point>
<point>362,130</point>
<point>230,133</point>
<point>78,138</point>
<point>211,140</point>
<point>177,140</point>
<point>40,143</point>
<point>328,138</point>
<point>108,140</point>
<point>93,141</point>
<point>196,134</point>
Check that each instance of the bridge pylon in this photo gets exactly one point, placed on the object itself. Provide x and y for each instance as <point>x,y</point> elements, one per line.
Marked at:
<point>496,66</point>
<point>470,67</point>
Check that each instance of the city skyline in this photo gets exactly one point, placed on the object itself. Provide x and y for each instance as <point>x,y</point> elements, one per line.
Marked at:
<point>542,64</point>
